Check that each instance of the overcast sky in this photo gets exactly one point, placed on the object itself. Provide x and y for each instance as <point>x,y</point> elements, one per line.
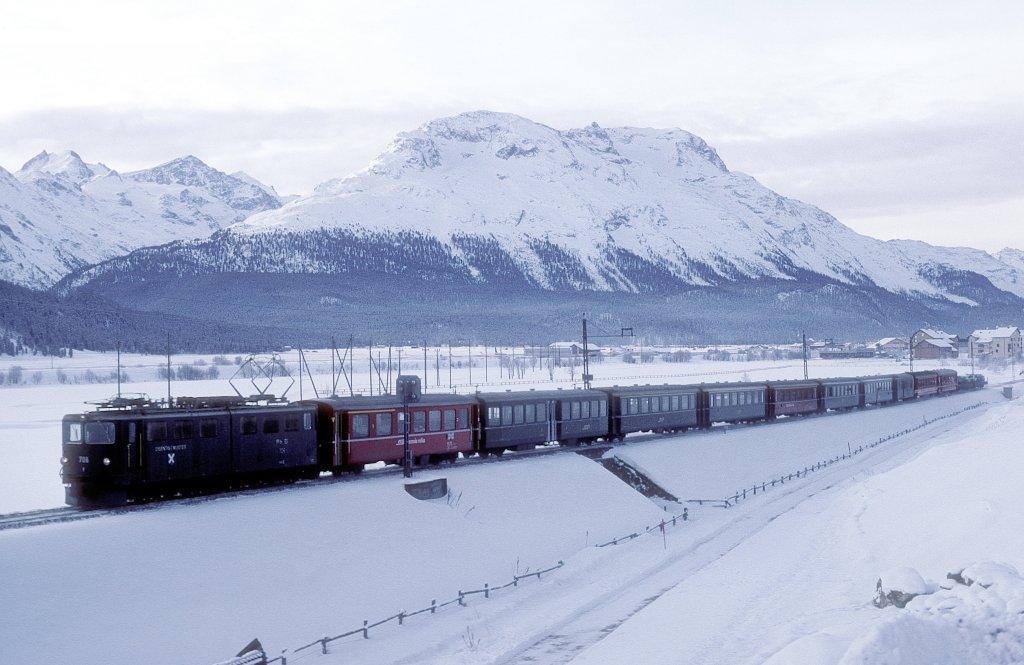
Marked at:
<point>903,119</point>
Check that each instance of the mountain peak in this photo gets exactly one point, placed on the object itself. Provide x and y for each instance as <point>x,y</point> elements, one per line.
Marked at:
<point>66,164</point>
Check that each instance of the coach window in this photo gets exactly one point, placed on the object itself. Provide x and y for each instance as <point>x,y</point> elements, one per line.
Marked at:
<point>494,415</point>
<point>634,405</point>
<point>603,406</point>
<point>271,425</point>
<point>383,424</point>
<point>506,415</point>
<point>449,419</point>
<point>585,409</point>
<point>542,412</point>
<point>462,418</point>
<point>360,425</point>
<point>530,413</point>
<point>435,420</point>
<point>645,405</point>
<point>517,414</point>
<point>575,410</point>
<point>419,421</point>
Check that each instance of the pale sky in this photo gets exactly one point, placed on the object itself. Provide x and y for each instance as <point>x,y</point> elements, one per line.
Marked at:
<point>902,119</point>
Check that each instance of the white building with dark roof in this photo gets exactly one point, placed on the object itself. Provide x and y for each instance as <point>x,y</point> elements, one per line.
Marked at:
<point>997,343</point>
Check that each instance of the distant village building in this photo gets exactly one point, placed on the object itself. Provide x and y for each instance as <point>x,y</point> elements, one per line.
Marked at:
<point>566,348</point>
<point>997,343</point>
<point>934,344</point>
<point>894,347</point>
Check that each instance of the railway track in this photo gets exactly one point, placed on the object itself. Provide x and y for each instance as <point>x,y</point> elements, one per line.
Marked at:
<point>47,516</point>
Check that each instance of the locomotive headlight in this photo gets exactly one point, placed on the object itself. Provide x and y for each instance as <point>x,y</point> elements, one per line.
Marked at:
<point>106,461</point>
<point>63,460</point>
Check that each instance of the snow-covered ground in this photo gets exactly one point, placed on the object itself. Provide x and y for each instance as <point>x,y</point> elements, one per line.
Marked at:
<point>786,576</point>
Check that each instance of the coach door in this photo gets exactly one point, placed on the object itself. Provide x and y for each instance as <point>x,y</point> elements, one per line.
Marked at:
<point>549,407</point>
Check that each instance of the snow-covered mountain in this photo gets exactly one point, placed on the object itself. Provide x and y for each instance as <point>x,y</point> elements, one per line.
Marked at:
<point>501,205</point>
<point>59,213</point>
<point>609,209</point>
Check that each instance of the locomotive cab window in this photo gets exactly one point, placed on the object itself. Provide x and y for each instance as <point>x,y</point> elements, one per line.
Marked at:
<point>157,431</point>
<point>291,423</point>
<point>182,429</point>
<point>99,432</point>
<point>74,433</point>
<point>248,425</point>
<point>271,426</point>
<point>207,428</point>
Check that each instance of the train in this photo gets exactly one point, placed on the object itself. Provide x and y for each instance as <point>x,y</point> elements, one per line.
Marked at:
<point>137,450</point>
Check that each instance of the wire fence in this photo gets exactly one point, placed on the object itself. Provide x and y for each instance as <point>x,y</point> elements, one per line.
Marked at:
<point>260,658</point>
<point>752,491</point>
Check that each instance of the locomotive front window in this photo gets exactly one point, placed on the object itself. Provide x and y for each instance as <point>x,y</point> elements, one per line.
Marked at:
<point>99,432</point>
<point>74,433</point>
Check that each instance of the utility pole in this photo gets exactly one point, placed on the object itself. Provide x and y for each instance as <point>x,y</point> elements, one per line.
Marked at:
<point>911,351</point>
<point>587,376</point>
<point>804,336</point>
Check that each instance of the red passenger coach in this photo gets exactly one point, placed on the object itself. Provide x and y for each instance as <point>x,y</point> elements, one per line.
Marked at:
<point>356,431</point>
<point>792,398</point>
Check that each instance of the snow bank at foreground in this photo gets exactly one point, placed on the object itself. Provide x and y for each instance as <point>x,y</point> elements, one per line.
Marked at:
<point>976,618</point>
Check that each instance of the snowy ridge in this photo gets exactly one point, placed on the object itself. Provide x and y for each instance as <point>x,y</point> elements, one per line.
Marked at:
<point>59,213</point>
<point>606,200</point>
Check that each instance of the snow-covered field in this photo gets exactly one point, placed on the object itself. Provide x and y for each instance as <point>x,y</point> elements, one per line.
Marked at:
<point>786,576</point>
